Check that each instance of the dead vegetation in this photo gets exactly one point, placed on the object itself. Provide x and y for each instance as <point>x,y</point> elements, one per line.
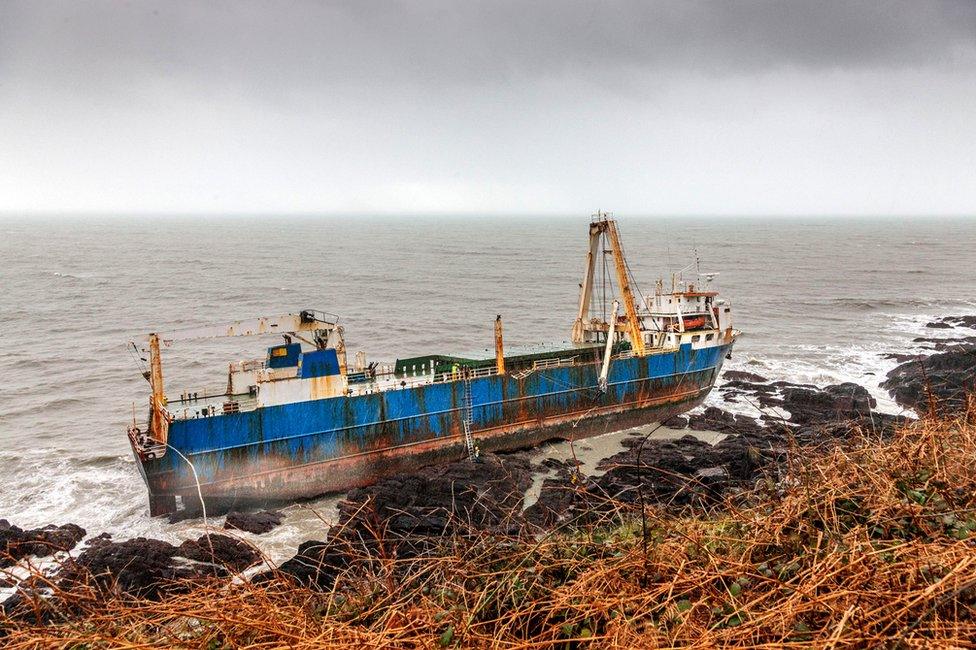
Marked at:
<point>869,543</point>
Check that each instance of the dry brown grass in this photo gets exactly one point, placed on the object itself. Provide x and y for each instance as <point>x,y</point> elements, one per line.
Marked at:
<point>870,544</point>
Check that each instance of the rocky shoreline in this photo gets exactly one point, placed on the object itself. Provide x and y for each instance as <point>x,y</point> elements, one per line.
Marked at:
<point>402,516</point>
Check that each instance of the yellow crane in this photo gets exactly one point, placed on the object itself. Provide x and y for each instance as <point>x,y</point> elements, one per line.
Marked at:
<point>602,226</point>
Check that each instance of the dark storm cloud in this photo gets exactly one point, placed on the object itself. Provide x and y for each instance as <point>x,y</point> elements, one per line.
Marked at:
<point>271,46</point>
<point>670,107</point>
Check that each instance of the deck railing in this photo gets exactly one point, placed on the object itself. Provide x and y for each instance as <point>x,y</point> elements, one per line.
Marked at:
<point>207,404</point>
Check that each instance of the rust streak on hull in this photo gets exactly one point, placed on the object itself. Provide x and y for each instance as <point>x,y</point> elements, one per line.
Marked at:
<point>259,484</point>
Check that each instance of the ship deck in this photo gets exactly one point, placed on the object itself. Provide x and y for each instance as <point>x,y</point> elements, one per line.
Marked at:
<point>404,373</point>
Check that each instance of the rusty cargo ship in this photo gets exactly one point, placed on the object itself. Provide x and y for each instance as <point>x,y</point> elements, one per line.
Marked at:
<point>303,421</point>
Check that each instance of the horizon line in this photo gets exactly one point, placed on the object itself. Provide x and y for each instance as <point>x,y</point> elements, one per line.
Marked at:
<point>114,214</point>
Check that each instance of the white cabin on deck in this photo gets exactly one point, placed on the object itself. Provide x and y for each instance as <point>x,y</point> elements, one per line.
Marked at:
<point>687,314</point>
<point>288,374</point>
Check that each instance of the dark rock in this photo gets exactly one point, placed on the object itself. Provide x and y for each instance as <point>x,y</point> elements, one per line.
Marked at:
<point>676,422</point>
<point>151,568</point>
<point>736,387</point>
<point>712,475</point>
<point>900,358</point>
<point>835,403</point>
<point>954,321</point>
<point>670,473</point>
<point>316,564</point>
<point>941,344</point>
<point>635,440</point>
<point>254,522</point>
<point>32,606</point>
<point>17,543</point>
<point>742,375</point>
<point>555,463</point>
<point>687,470</point>
<point>715,419</point>
<point>962,321</point>
<point>482,495</point>
<point>560,498</point>
<point>949,375</point>
<point>228,552</point>
<point>140,567</point>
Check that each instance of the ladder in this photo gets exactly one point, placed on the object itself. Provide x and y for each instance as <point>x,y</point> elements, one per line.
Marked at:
<point>468,416</point>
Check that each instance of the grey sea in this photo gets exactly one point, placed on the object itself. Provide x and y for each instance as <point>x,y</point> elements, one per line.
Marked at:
<point>820,300</point>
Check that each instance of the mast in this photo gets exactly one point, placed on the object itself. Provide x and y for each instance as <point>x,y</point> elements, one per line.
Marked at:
<point>499,346</point>
<point>158,422</point>
<point>586,289</point>
<point>623,280</point>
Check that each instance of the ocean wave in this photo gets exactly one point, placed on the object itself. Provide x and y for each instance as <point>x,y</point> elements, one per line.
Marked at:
<point>889,305</point>
<point>105,460</point>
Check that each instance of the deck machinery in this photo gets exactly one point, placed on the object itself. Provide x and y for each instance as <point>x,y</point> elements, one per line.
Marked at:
<point>300,422</point>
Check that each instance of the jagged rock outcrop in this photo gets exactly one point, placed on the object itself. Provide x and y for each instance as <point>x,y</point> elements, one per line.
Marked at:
<point>948,377</point>
<point>17,543</point>
<point>254,522</point>
<point>150,568</point>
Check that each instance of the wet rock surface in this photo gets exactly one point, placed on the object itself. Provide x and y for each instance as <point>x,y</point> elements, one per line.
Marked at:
<point>233,554</point>
<point>741,375</point>
<point>835,403</point>
<point>941,374</point>
<point>17,543</point>
<point>254,522</point>
<point>671,473</point>
<point>935,344</point>
<point>953,321</point>
<point>805,403</point>
<point>315,564</point>
<point>150,568</point>
<point>676,422</point>
<point>686,470</point>
<point>689,472</point>
<point>715,419</point>
<point>944,377</point>
<point>139,566</point>
<point>480,495</point>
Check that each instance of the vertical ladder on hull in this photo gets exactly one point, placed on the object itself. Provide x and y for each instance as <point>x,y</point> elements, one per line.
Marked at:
<point>468,418</point>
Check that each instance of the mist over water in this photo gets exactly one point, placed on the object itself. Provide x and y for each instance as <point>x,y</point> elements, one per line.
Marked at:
<point>819,300</point>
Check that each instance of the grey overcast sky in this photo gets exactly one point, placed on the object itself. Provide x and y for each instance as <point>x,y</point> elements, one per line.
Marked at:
<point>646,107</point>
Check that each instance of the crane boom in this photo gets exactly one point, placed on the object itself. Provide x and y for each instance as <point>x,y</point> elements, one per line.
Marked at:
<point>586,289</point>
<point>305,321</point>
<point>623,280</point>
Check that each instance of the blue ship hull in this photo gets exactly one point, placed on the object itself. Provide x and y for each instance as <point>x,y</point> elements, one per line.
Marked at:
<point>309,448</point>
